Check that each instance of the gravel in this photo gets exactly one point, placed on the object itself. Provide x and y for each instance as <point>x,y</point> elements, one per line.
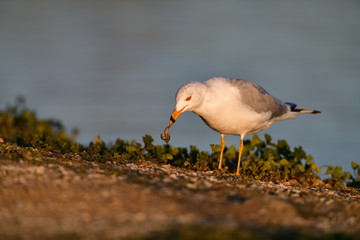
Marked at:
<point>48,197</point>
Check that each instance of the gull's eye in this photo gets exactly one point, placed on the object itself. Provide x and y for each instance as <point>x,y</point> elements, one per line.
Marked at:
<point>188,98</point>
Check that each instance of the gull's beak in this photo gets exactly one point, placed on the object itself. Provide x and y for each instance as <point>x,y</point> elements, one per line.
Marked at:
<point>175,115</point>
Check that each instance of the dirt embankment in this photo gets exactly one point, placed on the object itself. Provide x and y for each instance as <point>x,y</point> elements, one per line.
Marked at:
<point>49,198</point>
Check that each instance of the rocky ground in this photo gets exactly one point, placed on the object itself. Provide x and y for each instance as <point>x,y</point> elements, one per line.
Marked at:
<point>54,198</point>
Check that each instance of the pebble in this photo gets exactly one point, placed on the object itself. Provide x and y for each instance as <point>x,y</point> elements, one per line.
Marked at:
<point>173,176</point>
<point>167,180</point>
<point>192,173</point>
<point>191,185</point>
<point>207,184</point>
<point>96,176</point>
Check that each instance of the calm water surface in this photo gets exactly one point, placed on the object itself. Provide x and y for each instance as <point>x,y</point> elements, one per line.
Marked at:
<point>112,68</point>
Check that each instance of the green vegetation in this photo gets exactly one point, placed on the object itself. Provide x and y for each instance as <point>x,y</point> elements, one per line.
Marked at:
<point>262,159</point>
<point>20,125</point>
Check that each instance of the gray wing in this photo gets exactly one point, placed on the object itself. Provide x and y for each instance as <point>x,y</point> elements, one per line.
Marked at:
<point>259,99</point>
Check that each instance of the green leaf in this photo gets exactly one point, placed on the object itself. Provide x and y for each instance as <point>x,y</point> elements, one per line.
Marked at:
<point>284,162</point>
<point>174,150</point>
<point>337,173</point>
<point>130,149</point>
<point>148,140</point>
<point>346,175</point>
<point>312,166</point>
<point>202,156</point>
<point>300,168</point>
<point>299,153</point>
<point>169,156</point>
<point>230,153</point>
<point>309,158</point>
<point>315,182</point>
<point>329,170</point>
<point>255,141</point>
<point>215,148</point>
<point>268,138</point>
<point>283,149</point>
<point>354,165</point>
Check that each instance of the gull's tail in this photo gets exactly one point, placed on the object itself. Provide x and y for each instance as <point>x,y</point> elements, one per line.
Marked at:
<point>298,110</point>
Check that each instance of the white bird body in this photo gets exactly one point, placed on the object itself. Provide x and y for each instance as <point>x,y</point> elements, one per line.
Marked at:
<point>233,106</point>
<point>222,108</point>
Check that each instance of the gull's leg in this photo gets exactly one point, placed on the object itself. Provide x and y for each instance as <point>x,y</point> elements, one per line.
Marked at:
<point>222,150</point>
<point>241,146</point>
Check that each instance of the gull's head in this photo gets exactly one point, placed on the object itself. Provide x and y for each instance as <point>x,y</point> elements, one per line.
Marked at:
<point>188,98</point>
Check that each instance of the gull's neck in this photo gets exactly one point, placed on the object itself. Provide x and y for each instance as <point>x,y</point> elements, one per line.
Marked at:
<point>203,90</point>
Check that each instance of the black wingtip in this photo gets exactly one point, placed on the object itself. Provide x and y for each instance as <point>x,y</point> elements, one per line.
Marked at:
<point>292,105</point>
<point>294,109</point>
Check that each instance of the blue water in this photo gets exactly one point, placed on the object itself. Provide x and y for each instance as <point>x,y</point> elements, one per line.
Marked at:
<point>112,68</point>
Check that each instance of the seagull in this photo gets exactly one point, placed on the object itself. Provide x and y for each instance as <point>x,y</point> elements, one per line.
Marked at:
<point>233,106</point>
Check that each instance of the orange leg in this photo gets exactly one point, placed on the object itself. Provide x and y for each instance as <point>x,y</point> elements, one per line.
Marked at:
<point>240,152</point>
<point>222,149</point>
